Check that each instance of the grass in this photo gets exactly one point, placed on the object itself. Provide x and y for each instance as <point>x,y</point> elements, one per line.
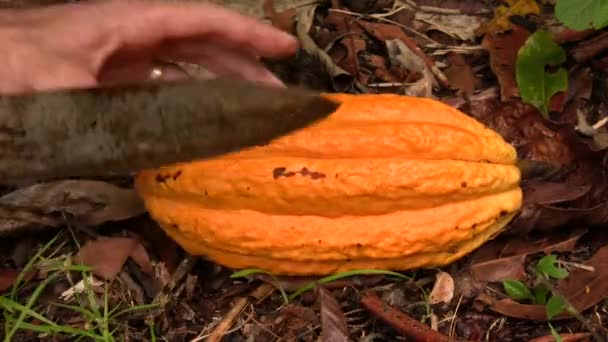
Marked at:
<point>26,314</point>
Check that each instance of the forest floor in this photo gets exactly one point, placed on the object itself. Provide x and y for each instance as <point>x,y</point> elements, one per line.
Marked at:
<point>91,265</point>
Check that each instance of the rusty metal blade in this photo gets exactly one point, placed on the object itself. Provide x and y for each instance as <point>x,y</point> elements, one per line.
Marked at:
<point>99,132</point>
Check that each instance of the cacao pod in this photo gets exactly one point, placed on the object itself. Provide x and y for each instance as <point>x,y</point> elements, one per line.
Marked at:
<point>385,182</point>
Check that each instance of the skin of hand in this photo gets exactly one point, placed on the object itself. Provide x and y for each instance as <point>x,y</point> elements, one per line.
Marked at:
<point>115,41</point>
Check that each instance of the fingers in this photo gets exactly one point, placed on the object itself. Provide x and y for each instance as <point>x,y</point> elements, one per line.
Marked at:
<point>222,61</point>
<point>157,22</point>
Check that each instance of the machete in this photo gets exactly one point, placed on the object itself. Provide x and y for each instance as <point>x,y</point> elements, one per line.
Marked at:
<point>105,131</point>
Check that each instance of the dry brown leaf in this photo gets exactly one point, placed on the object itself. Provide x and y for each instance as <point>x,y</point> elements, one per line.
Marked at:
<point>7,278</point>
<point>401,55</point>
<point>503,48</point>
<point>443,290</point>
<point>333,321</point>
<point>86,202</point>
<point>107,256</point>
<point>386,32</point>
<point>341,79</point>
<point>501,22</point>
<point>460,74</point>
<point>505,259</point>
<point>284,20</point>
<point>459,26</point>
<point>582,288</point>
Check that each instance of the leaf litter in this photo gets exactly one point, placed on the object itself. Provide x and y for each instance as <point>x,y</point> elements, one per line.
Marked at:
<point>465,53</point>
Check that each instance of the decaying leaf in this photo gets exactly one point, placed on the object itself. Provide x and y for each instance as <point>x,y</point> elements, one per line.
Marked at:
<point>460,74</point>
<point>501,22</point>
<point>401,55</point>
<point>502,48</point>
<point>505,258</point>
<point>284,20</point>
<point>107,256</point>
<point>333,321</point>
<point>385,32</point>
<point>86,202</point>
<point>7,278</point>
<point>583,288</point>
<point>304,19</point>
<point>459,26</point>
<point>443,290</point>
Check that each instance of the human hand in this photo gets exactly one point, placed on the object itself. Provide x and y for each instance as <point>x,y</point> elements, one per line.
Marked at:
<point>100,42</point>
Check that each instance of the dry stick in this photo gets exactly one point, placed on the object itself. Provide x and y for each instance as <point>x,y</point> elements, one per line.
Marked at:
<point>224,325</point>
<point>97,132</point>
<point>397,319</point>
<point>591,48</point>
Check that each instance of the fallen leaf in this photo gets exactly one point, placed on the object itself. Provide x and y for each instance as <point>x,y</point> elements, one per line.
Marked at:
<point>536,85</point>
<point>504,259</point>
<point>541,192</point>
<point>443,290</point>
<point>284,20</point>
<point>7,278</point>
<point>381,69</point>
<point>459,26</point>
<point>341,79</point>
<point>503,48</point>
<point>386,32</point>
<point>495,270</point>
<point>106,256</point>
<point>86,202</point>
<point>460,74</point>
<point>582,289</point>
<point>502,14</point>
<point>333,321</point>
<point>401,55</point>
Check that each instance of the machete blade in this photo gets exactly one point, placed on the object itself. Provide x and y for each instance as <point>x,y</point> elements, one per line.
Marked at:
<point>105,131</point>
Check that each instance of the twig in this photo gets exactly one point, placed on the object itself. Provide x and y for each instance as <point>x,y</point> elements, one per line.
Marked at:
<point>591,48</point>
<point>401,322</point>
<point>224,325</point>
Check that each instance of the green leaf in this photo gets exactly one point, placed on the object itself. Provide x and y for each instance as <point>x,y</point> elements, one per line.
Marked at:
<point>536,85</point>
<point>548,265</point>
<point>540,294</point>
<point>555,305</point>
<point>517,290</point>
<point>582,14</point>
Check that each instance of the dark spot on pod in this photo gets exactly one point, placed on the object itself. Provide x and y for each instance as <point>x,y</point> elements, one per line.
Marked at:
<point>177,174</point>
<point>463,184</point>
<point>503,213</point>
<point>359,245</point>
<point>160,178</point>
<point>317,175</point>
<point>320,241</point>
<point>278,172</point>
<point>305,172</point>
